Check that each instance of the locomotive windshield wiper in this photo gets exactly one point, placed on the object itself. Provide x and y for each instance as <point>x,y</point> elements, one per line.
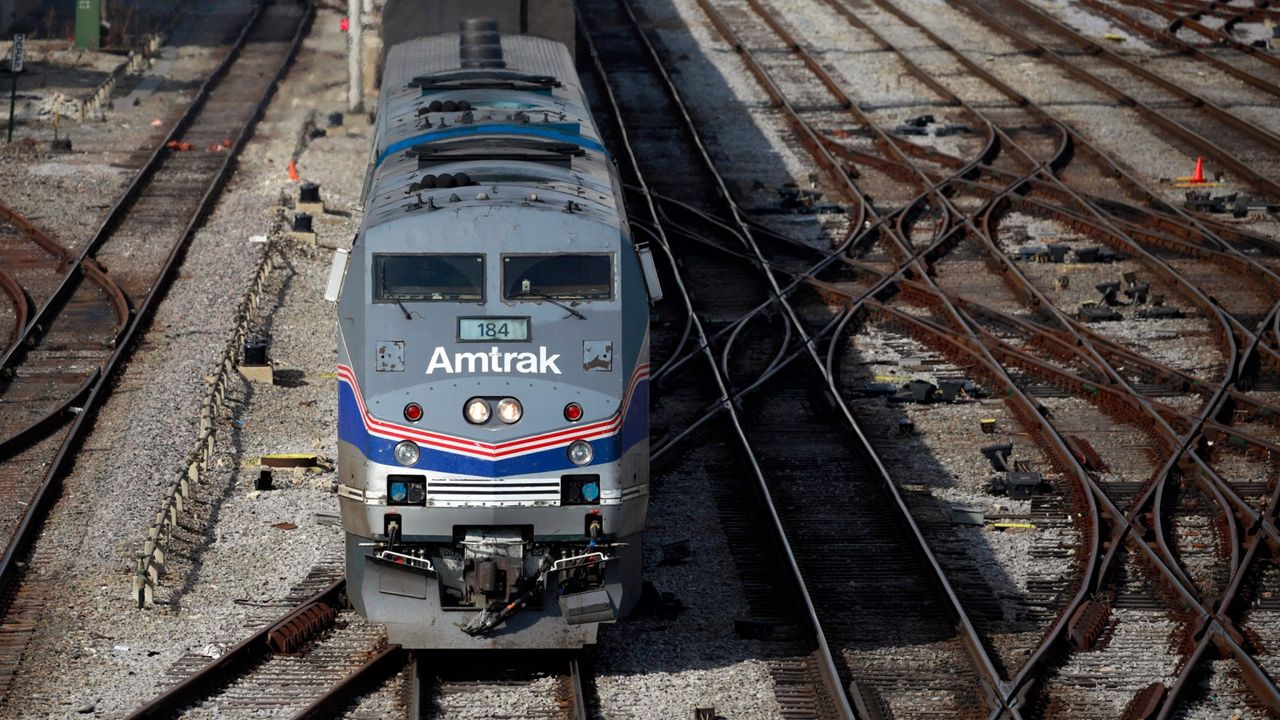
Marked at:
<point>527,290</point>
<point>382,277</point>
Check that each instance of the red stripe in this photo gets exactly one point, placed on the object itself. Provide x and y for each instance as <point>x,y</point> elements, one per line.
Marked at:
<point>493,451</point>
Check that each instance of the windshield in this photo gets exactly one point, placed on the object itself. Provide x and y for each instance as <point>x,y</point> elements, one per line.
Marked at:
<point>457,278</point>
<point>566,277</point>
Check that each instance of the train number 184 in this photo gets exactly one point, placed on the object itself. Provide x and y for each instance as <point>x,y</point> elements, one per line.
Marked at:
<point>494,329</point>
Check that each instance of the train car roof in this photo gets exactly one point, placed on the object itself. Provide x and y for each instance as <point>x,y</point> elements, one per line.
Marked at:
<point>524,136</point>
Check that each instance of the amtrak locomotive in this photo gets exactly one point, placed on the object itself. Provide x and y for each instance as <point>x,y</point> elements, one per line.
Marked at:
<point>493,357</point>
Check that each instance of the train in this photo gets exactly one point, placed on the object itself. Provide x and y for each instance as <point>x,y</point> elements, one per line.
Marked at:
<point>493,344</point>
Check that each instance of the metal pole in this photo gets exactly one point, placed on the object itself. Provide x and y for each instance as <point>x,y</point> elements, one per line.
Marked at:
<point>13,99</point>
<point>355,86</point>
<point>16,61</point>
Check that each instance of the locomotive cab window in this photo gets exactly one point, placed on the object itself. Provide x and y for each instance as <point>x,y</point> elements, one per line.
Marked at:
<point>447,278</point>
<point>562,277</point>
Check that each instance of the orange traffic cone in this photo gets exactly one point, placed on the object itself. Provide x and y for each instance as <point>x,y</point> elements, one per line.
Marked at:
<point>1197,177</point>
<point>295,177</point>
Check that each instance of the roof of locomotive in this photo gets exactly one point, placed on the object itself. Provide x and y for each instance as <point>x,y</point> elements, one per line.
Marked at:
<point>537,105</point>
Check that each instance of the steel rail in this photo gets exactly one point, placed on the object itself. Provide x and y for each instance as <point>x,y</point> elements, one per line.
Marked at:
<point>1058,446</point>
<point>970,645</point>
<point>973,640</point>
<point>578,680</point>
<point>940,42</point>
<point>823,657</point>
<point>40,427</point>
<point>25,437</point>
<point>116,214</point>
<point>794,45</point>
<point>1111,168</point>
<point>1265,688</point>
<point>36,234</point>
<point>1205,145</point>
<point>379,666</point>
<point>234,661</point>
<point>1231,16</point>
<point>1219,9</point>
<point>26,324</point>
<point>1219,499</point>
<point>1215,35</point>
<point>32,519</point>
<point>938,330</point>
<point>1171,40</point>
<point>21,303</point>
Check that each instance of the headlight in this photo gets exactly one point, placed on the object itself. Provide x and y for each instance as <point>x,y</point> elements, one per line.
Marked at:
<point>406,490</point>
<point>580,452</point>
<point>477,411</point>
<point>509,410</point>
<point>406,453</point>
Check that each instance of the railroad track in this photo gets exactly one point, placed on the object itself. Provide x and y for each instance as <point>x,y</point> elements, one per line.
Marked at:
<point>1171,515</point>
<point>884,543</point>
<point>311,656</point>
<point>499,684</point>
<point>1190,116</point>
<point>84,308</point>
<point>1155,524</point>
<point>316,651</point>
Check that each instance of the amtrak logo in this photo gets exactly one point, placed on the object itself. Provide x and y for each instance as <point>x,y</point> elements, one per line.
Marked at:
<point>494,361</point>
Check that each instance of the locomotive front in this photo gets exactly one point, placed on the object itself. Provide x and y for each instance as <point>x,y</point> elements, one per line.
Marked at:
<point>493,366</point>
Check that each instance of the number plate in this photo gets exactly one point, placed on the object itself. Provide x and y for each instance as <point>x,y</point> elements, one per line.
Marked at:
<point>493,329</point>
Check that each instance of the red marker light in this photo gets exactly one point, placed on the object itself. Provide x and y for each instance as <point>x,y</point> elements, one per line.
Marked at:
<point>413,412</point>
<point>573,412</point>
<point>344,24</point>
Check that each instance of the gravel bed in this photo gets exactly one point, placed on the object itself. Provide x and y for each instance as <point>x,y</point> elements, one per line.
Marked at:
<point>147,428</point>
<point>1222,694</point>
<point>1119,131</point>
<point>1136,653</point>
<point>649,666</point>
<point>482,701</point>
<point>95,650</point>
<point>1265,621</point>
<point>749,143</point>
<point>1126,452</point>
<point>1098,28</point>
<point>972,279</point>
<point>390,701</point>
<point>940,469</point>
<point>937,62</point>
<point>106,153</point>
<point>1163,340</point>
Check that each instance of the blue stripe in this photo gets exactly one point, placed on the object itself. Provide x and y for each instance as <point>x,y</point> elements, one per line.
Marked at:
<point>466,130</point>
<point>635,427</point>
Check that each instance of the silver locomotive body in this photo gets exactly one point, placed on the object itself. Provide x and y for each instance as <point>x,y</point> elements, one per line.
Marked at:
<point>493,359</point>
